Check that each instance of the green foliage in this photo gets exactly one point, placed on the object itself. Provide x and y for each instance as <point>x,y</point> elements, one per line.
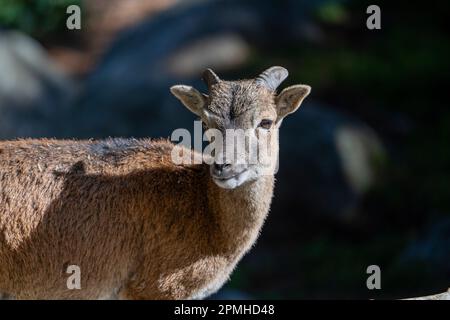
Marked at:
<point>35,17</point>
<point>333,13</point>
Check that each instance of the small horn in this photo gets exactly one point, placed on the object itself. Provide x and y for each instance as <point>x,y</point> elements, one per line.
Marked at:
<point>210,78</point>
<point>272,77</point>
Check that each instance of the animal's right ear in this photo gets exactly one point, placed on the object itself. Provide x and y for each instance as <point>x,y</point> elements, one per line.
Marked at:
<point>290,99</point>
<point>190,97</point>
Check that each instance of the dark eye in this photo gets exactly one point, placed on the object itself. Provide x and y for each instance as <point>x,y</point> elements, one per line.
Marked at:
<point>265,124</point>
<point>204,126</point>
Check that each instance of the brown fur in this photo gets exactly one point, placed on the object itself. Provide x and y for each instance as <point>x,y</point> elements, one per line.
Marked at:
<point>121,210</point>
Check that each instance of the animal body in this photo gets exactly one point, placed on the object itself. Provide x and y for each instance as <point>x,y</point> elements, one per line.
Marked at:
<point>136,224</point>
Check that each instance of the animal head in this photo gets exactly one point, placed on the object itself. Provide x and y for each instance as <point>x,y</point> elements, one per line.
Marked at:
<point>242,119</point>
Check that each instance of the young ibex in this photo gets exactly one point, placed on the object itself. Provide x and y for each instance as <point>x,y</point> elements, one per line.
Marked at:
<point>138,225</point>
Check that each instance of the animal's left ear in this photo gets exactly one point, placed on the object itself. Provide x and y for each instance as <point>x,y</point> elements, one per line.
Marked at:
<point>190,97</point>
<point>290,99</point>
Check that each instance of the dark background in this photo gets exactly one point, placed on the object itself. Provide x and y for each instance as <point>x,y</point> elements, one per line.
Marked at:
<point>365,163</point>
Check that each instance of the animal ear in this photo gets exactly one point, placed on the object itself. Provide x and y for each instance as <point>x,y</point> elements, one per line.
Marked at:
<point>190,97</point>
<point>290,99</point>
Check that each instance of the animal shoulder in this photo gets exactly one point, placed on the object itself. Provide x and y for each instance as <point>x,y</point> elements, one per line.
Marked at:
<point>112,152</point>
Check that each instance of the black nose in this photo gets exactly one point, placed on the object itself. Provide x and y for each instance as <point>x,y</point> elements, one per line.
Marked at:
<point>220,167</point>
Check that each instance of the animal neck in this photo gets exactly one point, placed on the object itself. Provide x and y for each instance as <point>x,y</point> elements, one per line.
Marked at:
<point>240,212</point>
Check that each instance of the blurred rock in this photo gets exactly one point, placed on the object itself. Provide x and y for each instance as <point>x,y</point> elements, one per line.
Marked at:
<point>33,92</point>
<point>439,296</point>
<point>105,18</point>
<point>432,248</point>
<point>327,162</point>
<point>225,51</point>
<point>102,20</point>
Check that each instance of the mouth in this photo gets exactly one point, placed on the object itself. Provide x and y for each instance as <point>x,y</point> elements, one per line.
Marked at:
<point>233,181</point>
<point>218,178</point>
